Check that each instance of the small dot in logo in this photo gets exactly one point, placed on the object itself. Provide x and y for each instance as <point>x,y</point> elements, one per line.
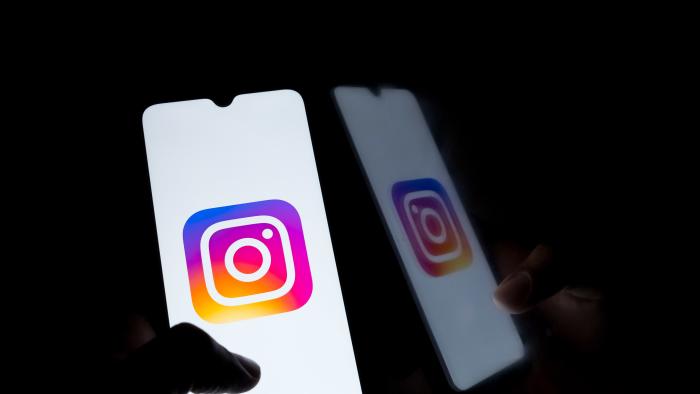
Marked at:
<point>267,233</point>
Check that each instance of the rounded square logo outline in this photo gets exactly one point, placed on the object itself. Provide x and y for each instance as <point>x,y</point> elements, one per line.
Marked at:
<point>209,304</point>
<point>457,259</point>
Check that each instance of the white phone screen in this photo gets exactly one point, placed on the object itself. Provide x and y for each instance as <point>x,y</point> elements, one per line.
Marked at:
<point>244,242</point>
<point>441,256</point>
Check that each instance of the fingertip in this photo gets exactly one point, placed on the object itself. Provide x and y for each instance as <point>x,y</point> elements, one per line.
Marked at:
<point>252,368</point>
<point>514,293</point>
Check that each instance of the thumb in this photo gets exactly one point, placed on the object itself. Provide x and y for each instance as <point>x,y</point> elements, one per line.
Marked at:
<point>536,279</point>
<point>185,359</point>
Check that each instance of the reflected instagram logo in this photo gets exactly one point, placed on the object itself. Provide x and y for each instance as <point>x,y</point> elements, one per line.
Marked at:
<point>432,226</point>
<point>246,261</point>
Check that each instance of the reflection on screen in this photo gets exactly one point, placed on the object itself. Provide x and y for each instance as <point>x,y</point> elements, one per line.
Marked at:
<point>441,256</point>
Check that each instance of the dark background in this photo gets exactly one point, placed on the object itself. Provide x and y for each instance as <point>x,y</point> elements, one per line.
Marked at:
<point>536,145</point>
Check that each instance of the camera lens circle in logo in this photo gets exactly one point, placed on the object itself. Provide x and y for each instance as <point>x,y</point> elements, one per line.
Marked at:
<point>255,243</point>
<point>433,225</point>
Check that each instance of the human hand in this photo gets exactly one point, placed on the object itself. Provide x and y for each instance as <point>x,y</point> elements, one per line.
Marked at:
<point>181,360</point>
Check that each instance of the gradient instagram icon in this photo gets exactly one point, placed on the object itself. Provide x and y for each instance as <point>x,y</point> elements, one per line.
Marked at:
<point>246,261</point>
<point>432,226</point>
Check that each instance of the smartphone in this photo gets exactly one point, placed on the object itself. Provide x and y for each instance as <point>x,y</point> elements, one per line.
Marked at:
<point>440,254</point>
<point>244,242</point>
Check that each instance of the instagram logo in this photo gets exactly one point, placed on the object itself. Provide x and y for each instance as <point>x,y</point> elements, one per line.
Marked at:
<point>432,226</point>
<point>246,261</point>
